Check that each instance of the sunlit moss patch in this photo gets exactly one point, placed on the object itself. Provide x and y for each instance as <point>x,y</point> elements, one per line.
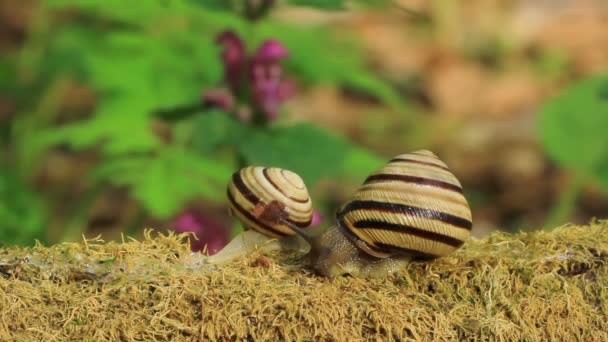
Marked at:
<point>532,286</point>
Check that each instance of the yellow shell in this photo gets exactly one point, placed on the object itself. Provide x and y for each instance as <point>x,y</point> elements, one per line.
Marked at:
<point>412,206</point>
<point>253,186</point>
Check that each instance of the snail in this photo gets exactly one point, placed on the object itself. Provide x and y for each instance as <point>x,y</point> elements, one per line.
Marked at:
<point>252,193</point>
<point>412,208</point>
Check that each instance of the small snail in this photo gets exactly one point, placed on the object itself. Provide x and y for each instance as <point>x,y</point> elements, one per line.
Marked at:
<point>253,193</point>
<point>257,185</point>
<point>413,207</point>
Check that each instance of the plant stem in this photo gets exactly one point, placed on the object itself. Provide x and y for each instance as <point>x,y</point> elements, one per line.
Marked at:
<point>562,211</point>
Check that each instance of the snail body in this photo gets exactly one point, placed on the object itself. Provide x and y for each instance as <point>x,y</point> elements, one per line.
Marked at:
<point>253,193</point>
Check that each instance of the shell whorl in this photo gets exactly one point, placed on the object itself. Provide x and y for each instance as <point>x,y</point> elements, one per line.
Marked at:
<point>255,185</point>
<point>413,206</point>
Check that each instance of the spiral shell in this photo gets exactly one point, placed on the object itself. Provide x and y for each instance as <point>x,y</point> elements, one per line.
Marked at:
<point>255,185</point>
<point>412,206</point>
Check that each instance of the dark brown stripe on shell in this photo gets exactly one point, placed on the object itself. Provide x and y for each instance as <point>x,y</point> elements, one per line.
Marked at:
<point>406,160</point>
<point>243,189</point>
<point>418,232</point>
<point>301,224</point>
<point>269,179</point>
<point>251,217</point>
<point>413,179</point>
<point>444,196</point>
<point>408,210</point>
<point>385,248</point>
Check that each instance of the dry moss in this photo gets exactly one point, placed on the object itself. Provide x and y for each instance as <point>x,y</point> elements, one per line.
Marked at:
<point>532,286</point>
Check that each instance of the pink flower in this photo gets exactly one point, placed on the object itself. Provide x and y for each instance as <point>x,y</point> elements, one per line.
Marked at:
<point>317,218</point>
<point>208,232</point>
<point>271,49</point>
<point>268,89</point>
<point>257,79</point>
<point>234,58</point>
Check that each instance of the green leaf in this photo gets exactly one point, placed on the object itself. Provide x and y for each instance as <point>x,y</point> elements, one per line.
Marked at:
<point>373,85</point>
<point>59,52</point>
<point>215,129</point>
<point>128,11</point>
<point>165,182</point>
<point>372,3</point>
<point>120,126</point>
<point>574,126</point>
<point>303,148</point>
<point>222,5</point>
<point>360,163</point>
<point>23,214</point>
<point>321,4</point>
<point>8,74</point>
<point>121,171</point>
<point>172,69</point>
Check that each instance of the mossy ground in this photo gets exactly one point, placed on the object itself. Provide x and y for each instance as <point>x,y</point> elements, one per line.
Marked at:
<point>532,286</point>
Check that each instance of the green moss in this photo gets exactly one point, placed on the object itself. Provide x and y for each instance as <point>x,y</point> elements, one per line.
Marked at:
<point>533,286</point>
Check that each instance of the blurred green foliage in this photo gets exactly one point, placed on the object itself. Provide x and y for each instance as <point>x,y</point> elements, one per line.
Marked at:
<point>22,212</point>
<point>574,128</point>
<point>142,58</point>
<point>574,132</point>
<point>236,5</point>
<point>165,181</point>
<point>310,150</point>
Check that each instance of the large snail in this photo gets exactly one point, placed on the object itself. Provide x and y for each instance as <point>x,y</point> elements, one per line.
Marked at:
<point>252,192</point>
<point>413,207</point>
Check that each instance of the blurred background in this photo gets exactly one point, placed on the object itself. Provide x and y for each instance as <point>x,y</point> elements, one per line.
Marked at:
<point>116,115</point>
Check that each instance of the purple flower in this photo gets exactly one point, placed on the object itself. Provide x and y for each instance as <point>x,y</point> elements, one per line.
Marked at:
<point>268,90</point>
<point>208,232</point>
<point>261,75</point>
<point>234,58</point>
<point>271,49</point>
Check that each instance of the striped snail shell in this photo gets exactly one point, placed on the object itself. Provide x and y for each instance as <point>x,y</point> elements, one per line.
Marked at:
<point>413,205</point>
<point>254,187</point>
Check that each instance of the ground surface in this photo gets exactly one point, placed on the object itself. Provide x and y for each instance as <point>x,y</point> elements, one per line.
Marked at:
<point>535,286</point>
